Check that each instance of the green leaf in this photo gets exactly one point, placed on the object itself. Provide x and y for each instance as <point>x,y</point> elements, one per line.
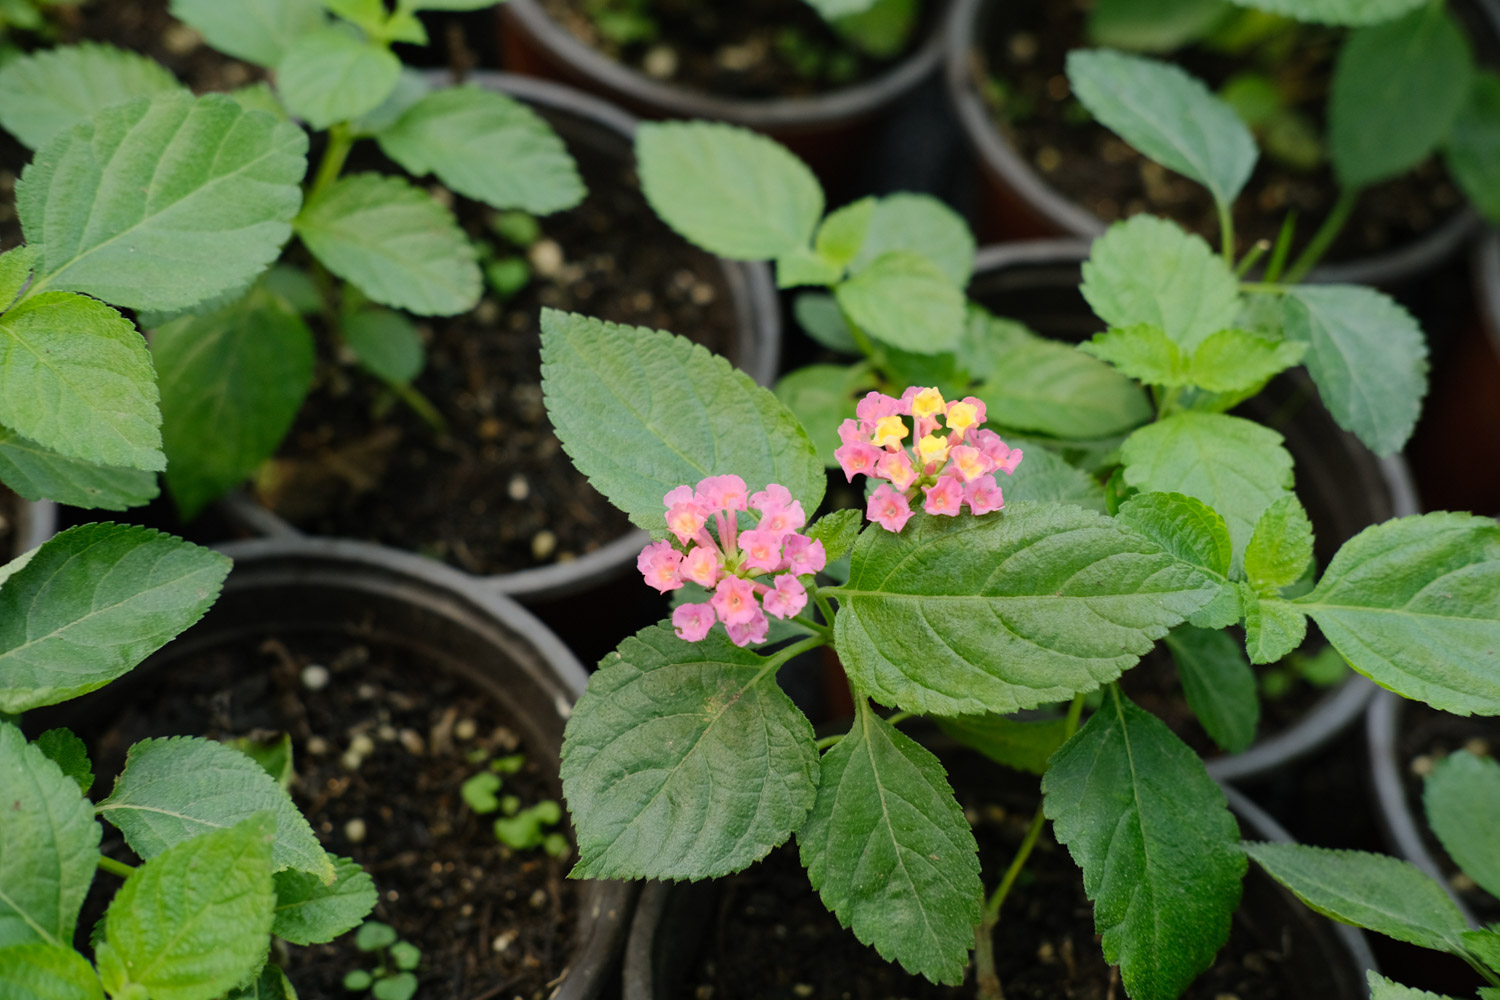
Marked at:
<point>1414,604</point>
<point>1153,25</point>
<point>66,750</point>
<point>231,384</point>
<point>49,846</point>
<point>641,412</point>
<point>1237,467</point>
<point>1050,388</point>
<point>1219,685</point>
<point>395,243</point>
<point>904,299</point>
<point>309,912</point>
<point>258,31</point>
<point>1381,894</point>
<point>271,984</point>
<point>838,531</point>
<point>1043,475</point>
<point>803,267</point>
<point>488,147</point>
<point>1142,351</point>
<point>820,317</point>
<point>1022,744</point>
<point>1186,527</point>
<point>260,96</point>
<point>843,232</point>
<point>1167,115</point>
<point>1273,627</point>
<point>1239,361</point>
<point>386,344</point>
<point>1346,12</point>
<point>93,602</point>
<point>44,94</point>
<point>38,473</point>
<point>889,850</point>
<point>329,76</point>
<point>1473,152</point>
<point>1397,89</point>
<point>402,986</point>
<point>1007,611</point>
<point>822,397</point>
<point>273,754</point>
<point>16,266</point>
<point>40,971</point>
<point>195,921</point>
<point>172,790</point>
<point>1462,800</point>
<point>1156,842</point>
<point>162,203</point>
<point>919,224</point>
<point>1280,548</point>
<point>1485,945</point>
<point>1367,355</point>
<point>732,192</point>
<point>1382,988</point>
<point>374,935</point>
<point>1148,270</point>
<point>684,760</point>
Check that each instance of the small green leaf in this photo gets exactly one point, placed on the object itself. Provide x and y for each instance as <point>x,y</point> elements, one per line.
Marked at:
<point>195,921</point>
<point>309,912</point>
<point>1219,685</point>
<point>479,792</point>
<point>904,299</point>
<point>919,224</point>
<point>803,267</point>
<point>66,750</point>
<point>274,755</point>
<point>1462,800</point>
<point>1473,152</point>
<point>1414,604</point>
<point>385,343</point>
<point>1156,842</point>
<point>329,75</point>
<point>1167,115</point>
<point>393,241</point>
<point>488,147</point>
<point>38,473</point>
<point>358,981</point>
<point>838,531</point>
<point>1397,88</point>
<point>173,790</point>
<point>684,760</point>
<point>1153,25</point>
<point>402,986</point>
<point>820,317</point>
<point>889,851</point>
<point>41,971</point>
<point>1043,475</point>
<point>1186,527</point>
<point>271,984</point>
<point>1023,745</point>
<point>1046,387</point>
<point>374,935</point>
<point>1485,945</point>
<point>641,412</point>
<point>50,91</point>
<point>93,602</point>
<point>732,192</point>
<point>1147,270</point>
<point>1280,548</point>
<point>1367,355</point>
<point>1239,361</point>
<point>1273,627</point>
<point>1382,988</point>
<point>1381,894</point>
<point>822,397</point>
<point>1143,352</point>
<point>258,31</point>
<point>260,97</point>
<point>1345,12</point>
<point>842,233</point>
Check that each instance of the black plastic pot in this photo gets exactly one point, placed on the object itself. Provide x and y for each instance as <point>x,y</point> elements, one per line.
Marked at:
<point>588,123</point>
<point>1343,486</point>
<point>442,621</point>
<point>1018,203</point>
<point>832,132</point>
<point>36,521</point>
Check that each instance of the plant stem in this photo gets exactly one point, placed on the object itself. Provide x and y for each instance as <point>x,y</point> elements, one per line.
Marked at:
<point>814,627</point>
<point>1283,247</point>
<point>823,606</point>
<point>1226,232</point>
<point>896,718</point>
<point>1324,237</point>
<point>340,141</point>
<point>829,741</point>
<point>1262,286</point>
<point>420,405</point>
<point>1253,255</point>
<point>114,867</point>
<point>776,660</point>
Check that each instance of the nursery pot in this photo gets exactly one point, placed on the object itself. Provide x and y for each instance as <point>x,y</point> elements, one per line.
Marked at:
<point>586,123</point>
<point>432,619</point>
<point>832,132</point>
<point>33,522</point>
<point>1018,202</point>
<point>1343,486</point>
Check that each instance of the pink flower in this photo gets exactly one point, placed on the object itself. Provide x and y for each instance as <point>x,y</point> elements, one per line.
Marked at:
<point>853,432</point>
<point>857,459</point>
<point>888,508</point>
<point>804,555</point>
<point>658,563</point>
<point>734,600</point>
<point>752,631</point>
<point>946,496</point>
<point>692,621</point>
<point>983,495</point>
<point>774,496</point>
<point>721,493</point>
<point>896,466</point>
<point>970,462</point>
<point>787,598</point>
<point>701,566</point>
<point>762,549</point>
<point>685,519</point>
<point>996,451</point>
<point>876,405</point>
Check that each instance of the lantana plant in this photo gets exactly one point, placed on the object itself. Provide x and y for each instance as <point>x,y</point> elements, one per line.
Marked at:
<point>685,760</point>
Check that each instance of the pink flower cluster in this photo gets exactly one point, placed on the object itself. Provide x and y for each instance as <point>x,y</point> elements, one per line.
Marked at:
<point>950,469</point>
<point>728,561</point>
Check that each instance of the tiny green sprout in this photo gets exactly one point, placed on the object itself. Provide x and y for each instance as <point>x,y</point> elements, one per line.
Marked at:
<point>507,275</point>
<point>1275,683</point>
<point>1324,668</point>
<point>358,981</point>
<point>392,978</point>
<point>478,755</point>
<point>402,986</point>
<point>374,935</point>
<point>406,955</point>
<point>508,765</point>
<point>517,228</point>
<point>510,804</point>
<point>479,792</point>
<point>523,831</point>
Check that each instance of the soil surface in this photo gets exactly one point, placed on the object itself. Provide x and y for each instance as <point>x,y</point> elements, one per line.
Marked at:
<point>1090,165</point>
<point>753,49</point>
<point>489,921</point>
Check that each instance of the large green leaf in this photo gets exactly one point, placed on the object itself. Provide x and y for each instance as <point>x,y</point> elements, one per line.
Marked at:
<point>1397,88</point>
<point>1348,12</point>
<point>1219,685</point>
<point>905,300</point>
<point>392,240</point>
<point>310,912</point>
<point>684,760</point>
<point>642,412</point>
<point>40,971</point>
<point>231,384</point>
<point>1050,388</point>
<point>1167,115</point>
<point>172,790</point>
<point>488,147</point>
<point>1044,475</point>
<point>1381,894</point>
<point>38,473</point>
<point>1474,145</point>
<point>727,189</point>
<point>889,850</point>
<point>1382,988</point>
<point>93,602</point>
<point>329,75</point>
<point>1156,842</point>
<point>1462,801</point>
<point>1006,611</point>
<point>1414,604</point>
<point>75,378</point>
<point>1367,355</point>
<point>49,846</point>
<point>162,203</point>
<point>54,89</point>
<point>919,224</point>
<point>259,31</point>
<point>194,921</point>
<point>1148,270</point>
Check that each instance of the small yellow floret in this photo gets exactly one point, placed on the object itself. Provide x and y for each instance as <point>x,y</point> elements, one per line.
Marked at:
<point>889,431</point>
<point>962,416</point>
<point>932,449</point>
<point>927,403</point>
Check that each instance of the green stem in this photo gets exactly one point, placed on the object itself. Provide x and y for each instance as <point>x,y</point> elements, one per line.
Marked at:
<point>1283,247</point>
<point>340,141</point>
<point>1226,232</point>
<point>896,718</point>
<point>1270,288</point>
<point>114,867</point>
<point>823,605</point>
<point>1252,256</point>
<point>829,741</point>
<point>1168,402</point>
<point>814,627</point>
<point>1324,237</point>
<point>778,659</point>
<point>420,405</point>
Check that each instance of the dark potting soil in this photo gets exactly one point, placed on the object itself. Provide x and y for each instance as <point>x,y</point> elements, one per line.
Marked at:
<point>751,50</point>
<point>10,505</point>
<point>488,921</point>
<point>145,26</point>
<point>1027,48</point>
